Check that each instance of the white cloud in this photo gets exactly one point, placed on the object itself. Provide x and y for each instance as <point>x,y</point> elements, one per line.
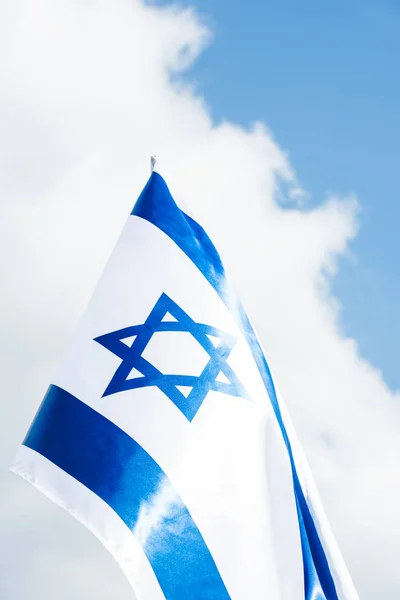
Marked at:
<point>86,97</point>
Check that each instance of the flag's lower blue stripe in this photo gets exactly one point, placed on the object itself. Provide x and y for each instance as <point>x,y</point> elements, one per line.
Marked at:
<point>111,464</point>
<point>157,206</point>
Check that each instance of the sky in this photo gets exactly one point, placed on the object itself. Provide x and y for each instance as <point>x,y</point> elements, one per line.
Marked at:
<point>277,123</point>
<point>322,76</point>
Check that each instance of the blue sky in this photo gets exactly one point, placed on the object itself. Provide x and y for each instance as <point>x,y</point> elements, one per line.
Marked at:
<point>324,77</point>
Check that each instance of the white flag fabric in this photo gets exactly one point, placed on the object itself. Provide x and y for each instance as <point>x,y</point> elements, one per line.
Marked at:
<point>163,434</point>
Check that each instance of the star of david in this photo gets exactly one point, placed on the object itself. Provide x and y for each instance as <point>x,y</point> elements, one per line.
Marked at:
<point>166,315</point>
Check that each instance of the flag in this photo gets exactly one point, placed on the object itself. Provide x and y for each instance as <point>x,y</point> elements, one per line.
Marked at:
<point>163,433</point>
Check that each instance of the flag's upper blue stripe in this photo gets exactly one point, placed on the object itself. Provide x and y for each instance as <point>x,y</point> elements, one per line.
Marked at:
<point>96,452</point>
<point>157,206</point>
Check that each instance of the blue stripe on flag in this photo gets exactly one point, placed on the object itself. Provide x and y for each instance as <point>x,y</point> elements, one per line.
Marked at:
<point>156,205</point>
<point>105,459</point>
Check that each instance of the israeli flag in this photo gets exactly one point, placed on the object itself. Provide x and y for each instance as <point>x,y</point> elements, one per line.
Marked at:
<point>163,433</point>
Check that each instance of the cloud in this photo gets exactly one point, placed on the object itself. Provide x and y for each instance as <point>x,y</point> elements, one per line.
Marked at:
<point>89,89</point>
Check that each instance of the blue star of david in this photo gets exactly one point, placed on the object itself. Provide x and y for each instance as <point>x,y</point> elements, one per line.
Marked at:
<point>169,384</point>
